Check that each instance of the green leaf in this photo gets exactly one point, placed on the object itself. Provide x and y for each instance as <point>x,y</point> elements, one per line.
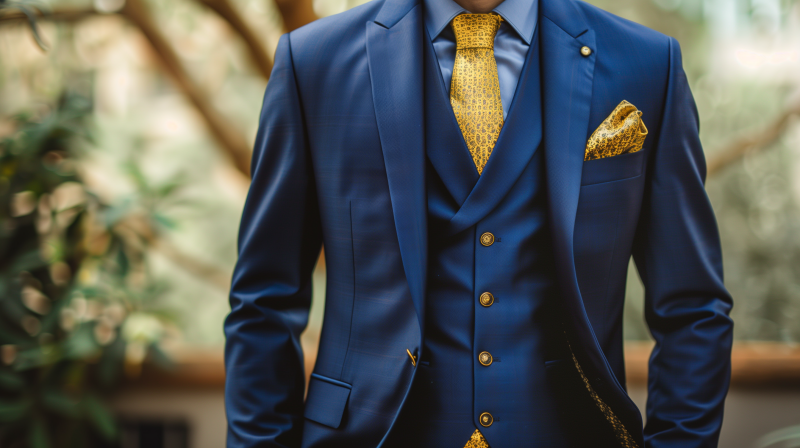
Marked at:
<point>37,435</point>
<point>11,381</point>
<point>59,402</point>
<point>110,366</point>
<point>164,221</point>
<point>161,358</point>
<point>169,188</point>
<point>789,434</point>
<point>28,359</point>
<point>81,343</point>
<point>29,261</point>
<point>123,263</point>
<point>14,410</point>
<point>100,416</point>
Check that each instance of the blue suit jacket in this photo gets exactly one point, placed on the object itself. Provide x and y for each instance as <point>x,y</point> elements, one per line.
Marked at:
<point>339,160</point>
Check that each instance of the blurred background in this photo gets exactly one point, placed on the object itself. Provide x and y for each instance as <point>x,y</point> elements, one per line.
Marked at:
<point>125,137</point>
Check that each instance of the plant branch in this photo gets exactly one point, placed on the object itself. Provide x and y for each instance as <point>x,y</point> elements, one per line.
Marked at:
<point>754,142</point>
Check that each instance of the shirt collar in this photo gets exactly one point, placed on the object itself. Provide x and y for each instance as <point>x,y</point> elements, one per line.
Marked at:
<point>520,14</point>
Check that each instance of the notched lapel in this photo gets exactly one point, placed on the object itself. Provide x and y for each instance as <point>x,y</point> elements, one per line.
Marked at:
<point>394,50</point>
<point>567,81</point>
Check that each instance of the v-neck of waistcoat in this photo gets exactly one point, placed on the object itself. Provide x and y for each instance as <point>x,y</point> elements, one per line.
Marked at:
<point>477,195</point>
<point>445,145</point>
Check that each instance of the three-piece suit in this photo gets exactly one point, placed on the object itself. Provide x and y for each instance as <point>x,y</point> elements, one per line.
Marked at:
<point>459,300</point>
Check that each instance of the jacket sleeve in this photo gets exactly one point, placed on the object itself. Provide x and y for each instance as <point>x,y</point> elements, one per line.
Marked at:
<point>677,252</point>
<point>279,242</point>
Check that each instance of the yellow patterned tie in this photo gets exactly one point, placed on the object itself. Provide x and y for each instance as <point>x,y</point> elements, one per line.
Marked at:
<point>475,88</point>
<point>477,441</point>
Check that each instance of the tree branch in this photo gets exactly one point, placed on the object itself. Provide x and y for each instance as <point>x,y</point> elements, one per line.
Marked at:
<point>258,52</point>
<point>231,142</point>
<point>295,13</point>
<point>755,142</point>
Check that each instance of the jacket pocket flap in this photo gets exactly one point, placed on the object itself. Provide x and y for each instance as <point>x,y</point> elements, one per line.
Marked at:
<point>326,400</point>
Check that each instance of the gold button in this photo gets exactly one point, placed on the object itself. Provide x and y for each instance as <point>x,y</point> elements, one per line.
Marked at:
<point>586,51</point>
<point>486,419</point>
<point>485,358</point>
<point>487,239</point>
<point>486,299</point>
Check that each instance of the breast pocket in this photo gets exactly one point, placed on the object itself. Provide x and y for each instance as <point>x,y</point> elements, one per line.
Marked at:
<point>614,168</point>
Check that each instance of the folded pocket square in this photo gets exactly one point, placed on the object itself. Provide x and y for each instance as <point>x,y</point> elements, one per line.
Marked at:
<point>621,133</point>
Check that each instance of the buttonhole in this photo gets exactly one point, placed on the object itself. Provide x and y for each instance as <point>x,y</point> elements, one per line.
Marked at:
<point>497,239</point>
<point>425,363</point>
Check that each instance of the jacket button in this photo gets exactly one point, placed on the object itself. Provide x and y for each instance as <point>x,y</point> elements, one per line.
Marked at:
<point>486,299</point>
<point>487,239</point>
<point>485,358</point>
<point>486,419</point>
<point>586,51</point>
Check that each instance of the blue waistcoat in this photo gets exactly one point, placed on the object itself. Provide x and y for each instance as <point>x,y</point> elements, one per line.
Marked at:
<point>518,325</point>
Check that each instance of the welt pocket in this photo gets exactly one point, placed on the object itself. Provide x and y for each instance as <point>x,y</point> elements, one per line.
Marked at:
<point>609,169</point>
<point>326,401</point>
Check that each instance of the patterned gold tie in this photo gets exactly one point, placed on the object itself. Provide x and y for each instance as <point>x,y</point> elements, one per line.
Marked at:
<point>475,88</point>
<point>477,441</point>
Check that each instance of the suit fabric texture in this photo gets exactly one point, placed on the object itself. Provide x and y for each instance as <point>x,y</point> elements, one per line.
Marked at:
<point>341,160</point>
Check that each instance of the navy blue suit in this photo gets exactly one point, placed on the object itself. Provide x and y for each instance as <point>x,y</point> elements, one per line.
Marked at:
<point>341,160</point>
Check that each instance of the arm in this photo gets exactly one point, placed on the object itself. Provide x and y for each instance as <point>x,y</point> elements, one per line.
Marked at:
<point>677,252</point>
<point>279,242</point>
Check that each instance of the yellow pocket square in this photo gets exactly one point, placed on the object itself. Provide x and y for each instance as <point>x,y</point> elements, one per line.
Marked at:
<point>621,133</point>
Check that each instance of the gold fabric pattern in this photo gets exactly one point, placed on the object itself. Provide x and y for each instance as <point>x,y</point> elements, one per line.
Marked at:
<point>623,436</point>
<point>622,132</point>
<point>477,441</point>
<point>475,87</point>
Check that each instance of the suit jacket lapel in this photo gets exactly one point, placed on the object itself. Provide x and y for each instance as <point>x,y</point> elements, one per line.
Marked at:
<point>394,50</point>
<point>567,79</point>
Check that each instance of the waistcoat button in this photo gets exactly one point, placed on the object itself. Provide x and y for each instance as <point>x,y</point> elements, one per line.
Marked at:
<point>487,239</point>
<point>486,299</point>
<point>486,419</point>
<point>485,358</point>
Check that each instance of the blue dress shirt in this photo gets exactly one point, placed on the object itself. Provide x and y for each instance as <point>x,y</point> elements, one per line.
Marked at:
<point>510,44</point>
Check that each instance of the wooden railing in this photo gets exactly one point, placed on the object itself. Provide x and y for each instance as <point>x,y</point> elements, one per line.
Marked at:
<point>754,365</point>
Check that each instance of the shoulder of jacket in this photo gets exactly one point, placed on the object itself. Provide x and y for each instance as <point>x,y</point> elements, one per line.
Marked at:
<point>617,27</point>
<point>332,30</point>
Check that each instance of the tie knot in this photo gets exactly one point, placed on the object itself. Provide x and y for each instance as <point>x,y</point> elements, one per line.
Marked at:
<point>476,30</point>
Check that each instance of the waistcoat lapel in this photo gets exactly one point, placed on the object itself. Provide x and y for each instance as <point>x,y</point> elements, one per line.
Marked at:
<point>517,143</point>
<point>445,146</point>
<point>567,79</point>
<point>394,50</point>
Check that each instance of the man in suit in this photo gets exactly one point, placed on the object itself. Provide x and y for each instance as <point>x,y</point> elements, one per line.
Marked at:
<point>480,173</point>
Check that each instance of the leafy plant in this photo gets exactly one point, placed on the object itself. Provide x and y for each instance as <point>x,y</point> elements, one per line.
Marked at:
<point>785,438</point>
<point>77,302</point>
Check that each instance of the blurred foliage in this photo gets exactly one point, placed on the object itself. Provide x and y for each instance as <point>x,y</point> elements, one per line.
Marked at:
<point>78,309</point>
<point>782,438</point>
<point>87,289</point>
<point>739,55</point>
